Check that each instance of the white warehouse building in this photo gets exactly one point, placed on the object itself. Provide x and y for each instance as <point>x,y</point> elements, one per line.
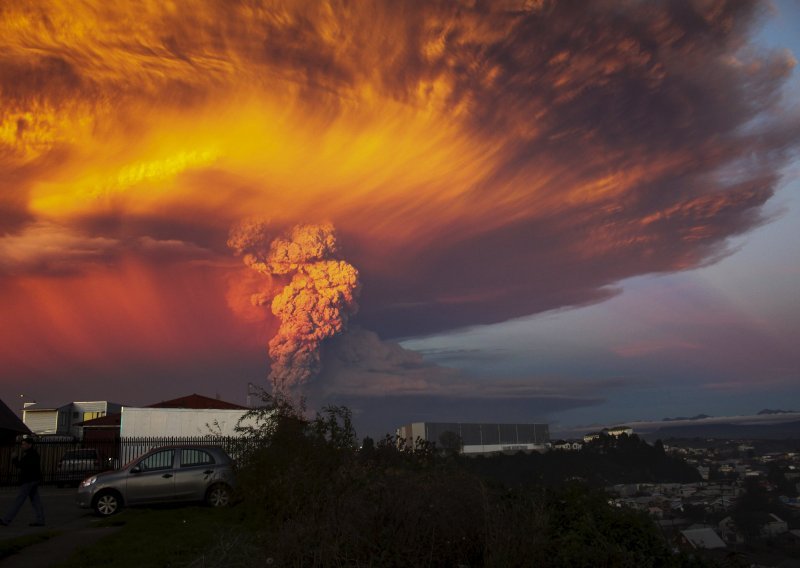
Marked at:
<point>178,422</point>
<point>480,438</point>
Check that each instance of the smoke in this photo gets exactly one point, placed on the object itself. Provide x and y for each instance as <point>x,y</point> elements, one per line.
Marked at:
<point>313,306</point>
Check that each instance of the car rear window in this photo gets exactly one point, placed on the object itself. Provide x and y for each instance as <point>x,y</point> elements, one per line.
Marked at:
<point>192,457</point>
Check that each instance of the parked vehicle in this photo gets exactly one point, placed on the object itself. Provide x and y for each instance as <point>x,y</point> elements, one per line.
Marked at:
<point>76,465</point>
<point>170,474</point>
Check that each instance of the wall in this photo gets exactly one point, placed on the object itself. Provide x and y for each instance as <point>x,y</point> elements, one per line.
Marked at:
<point>181,422</point>
<point>479,438</point>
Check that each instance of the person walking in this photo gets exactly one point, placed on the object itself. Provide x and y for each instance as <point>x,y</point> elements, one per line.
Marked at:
<point>30,476</point>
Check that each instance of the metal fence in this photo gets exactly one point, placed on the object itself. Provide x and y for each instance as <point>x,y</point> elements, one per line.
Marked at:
<point>67,462</point>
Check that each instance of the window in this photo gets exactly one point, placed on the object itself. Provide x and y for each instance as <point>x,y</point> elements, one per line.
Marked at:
<point>191,458</point>
<point>92,415</point>
<point>158,460</point>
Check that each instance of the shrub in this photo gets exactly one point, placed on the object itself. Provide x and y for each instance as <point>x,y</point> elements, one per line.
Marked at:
<point>315,499</point>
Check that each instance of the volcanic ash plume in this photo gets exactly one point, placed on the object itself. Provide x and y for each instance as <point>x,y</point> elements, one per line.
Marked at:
<point>314,305</point>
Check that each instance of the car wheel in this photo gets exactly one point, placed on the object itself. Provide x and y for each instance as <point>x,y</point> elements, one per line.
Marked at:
<point>107,504</point>
<point>218,496</point>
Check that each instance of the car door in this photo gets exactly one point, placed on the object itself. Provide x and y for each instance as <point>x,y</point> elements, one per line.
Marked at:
<point>152,479</point>
<point>194,474</point>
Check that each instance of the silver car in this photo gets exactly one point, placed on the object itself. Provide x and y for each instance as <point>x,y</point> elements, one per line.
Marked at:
<point>169,474</point>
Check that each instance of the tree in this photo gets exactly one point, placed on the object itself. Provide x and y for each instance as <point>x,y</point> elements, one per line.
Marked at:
<point>450,442</point>
<point>750,508</point>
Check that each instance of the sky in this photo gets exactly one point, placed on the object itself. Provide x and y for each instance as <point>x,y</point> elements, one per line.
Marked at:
<point>426,211</point>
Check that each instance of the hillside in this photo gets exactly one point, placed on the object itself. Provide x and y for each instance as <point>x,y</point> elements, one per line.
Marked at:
<point>729,431</point>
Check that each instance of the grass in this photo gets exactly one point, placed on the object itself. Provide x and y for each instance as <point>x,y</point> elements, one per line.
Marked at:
<point>168,537</point>
<point>14,545</point>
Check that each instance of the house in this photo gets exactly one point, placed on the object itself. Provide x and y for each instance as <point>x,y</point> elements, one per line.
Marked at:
<point>64,420</point>
<point>729,531</point>
<point>772,525</point>
<point>618,431</point>
<point>722,503</point>
<point>10,425</point>
<point>614,432</point>
<point>704,538</point>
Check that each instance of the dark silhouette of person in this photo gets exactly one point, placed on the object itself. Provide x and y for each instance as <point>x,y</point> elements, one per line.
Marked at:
<point>30,476</point>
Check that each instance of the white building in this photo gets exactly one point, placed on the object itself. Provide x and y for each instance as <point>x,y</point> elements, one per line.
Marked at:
<point>142,429</point>
<point>614,432</point>
<point>479,438</point>
<point>773,526</point>
<point>178,422</point>
<point>703,538</point>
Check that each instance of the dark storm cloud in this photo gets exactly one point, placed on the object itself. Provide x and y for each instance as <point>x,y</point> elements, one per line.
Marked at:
<point>376,417</point>
<point>359,363</point>
<point>666,101</point>
<point>387,386</point>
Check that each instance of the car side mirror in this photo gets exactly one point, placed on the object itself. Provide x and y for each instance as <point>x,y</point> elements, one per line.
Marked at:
<point>136,469</point>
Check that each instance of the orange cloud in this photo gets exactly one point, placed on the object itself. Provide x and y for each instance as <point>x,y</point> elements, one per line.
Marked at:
<point>479,161</point>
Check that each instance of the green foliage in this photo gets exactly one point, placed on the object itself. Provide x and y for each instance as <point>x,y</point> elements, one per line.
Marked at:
<point>450,443</point>
<point>607,461</point>
<point>313,498</point>
<point>156,537</point>
<point>584,531</point>
<point>318,500</point>
<point>751,509</point>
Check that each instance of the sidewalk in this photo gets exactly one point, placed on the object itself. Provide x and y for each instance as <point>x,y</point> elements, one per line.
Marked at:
<point>62,516</point>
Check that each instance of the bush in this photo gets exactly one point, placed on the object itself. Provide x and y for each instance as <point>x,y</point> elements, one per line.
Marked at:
<point>315,499</point>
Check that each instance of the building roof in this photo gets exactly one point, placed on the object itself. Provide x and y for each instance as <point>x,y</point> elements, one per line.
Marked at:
<point>10,421</point>
<point>35,407</point>
<point>42,407</point>
<point>197,401</point>
<point>192,401</point>
<point>703,538</point>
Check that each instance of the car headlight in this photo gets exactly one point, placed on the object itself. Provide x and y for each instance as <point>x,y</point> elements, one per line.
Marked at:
<point>89,481</point>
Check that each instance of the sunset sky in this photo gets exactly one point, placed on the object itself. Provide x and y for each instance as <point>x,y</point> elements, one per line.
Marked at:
<point>564,211</point>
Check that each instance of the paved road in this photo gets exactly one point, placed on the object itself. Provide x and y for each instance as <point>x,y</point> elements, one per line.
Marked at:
<point>62,515</point>
<point>60,510</point>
